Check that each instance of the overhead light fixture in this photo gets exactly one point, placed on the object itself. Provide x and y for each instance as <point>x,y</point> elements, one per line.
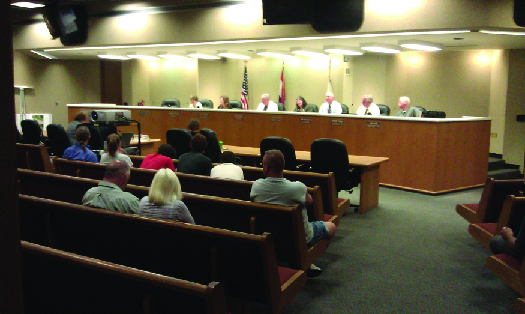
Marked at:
<point>308,52</point>
<point>496,32</point>
<point>43,54</point>
<point>134,55</point>
<point>420,45</point>
<point>381,48</point>
<point>231,54</point>
<point>341,50</point>
<point>103,55</point>
<point>172,56</point>
<point>27,5</point>
<point>274,53</point>
<point>200,55</point>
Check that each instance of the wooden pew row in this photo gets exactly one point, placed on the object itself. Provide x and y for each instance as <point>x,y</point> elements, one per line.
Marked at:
<point>332,205</point>
<point>491,202</point>
<point>203,185</point>
<point>244,264</point>
<point>33,157</point>
<point>285,223</point>
<point>54,279</point>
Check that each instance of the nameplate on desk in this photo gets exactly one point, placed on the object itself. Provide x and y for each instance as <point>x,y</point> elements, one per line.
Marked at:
<point>174,114</point>
<point>277,118</point>
<point>238,116</point>
<point>143,113</point>
<point>376,125</point>
<point>338,122</point>
<point>203,115</point>
<point>306,120</point>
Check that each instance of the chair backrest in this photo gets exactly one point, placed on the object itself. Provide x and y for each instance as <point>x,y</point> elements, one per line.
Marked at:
<point>96,142</point>
<point>282,144</point>
<point>384,110</point>
<point>32,131</point>
<point>206,103</point>
<point>180,140</point>
<point>281,107</point>
<point>33,157</point>
<point>58,139</point>
<point>344,109</point>
<point>170,102</point>
<point>330,155</point>
<point>235,104</point>
<point>311,108</point>
<point>420,108</point>
<point>493,197</point>
<point>18,136</point>
<point>213,151</point>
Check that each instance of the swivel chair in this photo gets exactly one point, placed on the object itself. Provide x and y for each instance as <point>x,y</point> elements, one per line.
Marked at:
<point>213,151</point>
<point>180,140</point>
<point>420,108</point>
<point>206,103</point>
<point>32,132</point>
<point>170,102</point>
<point>384,110</point>
<point>311,108</point>
<point>286,147</point>
<point>281,107</point>
<point>235,104</point>
<point>344,109</point>
<point>58,139</point>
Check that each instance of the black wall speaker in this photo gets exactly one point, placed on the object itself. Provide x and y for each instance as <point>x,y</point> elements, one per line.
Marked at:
<point>277,12</point>
<point>337,15</point>
<point>519,12</point>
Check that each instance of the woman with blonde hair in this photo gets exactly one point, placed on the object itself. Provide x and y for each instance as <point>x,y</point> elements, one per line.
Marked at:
<point>164,199</point>
<point>113,151</point>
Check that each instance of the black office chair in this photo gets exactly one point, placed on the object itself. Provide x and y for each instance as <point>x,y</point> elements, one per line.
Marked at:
<point>213,151</point>
<point>330,155</point>
<point>281,107</point>
<point>32,132</point>
<point>344,109</point>
<point>206,103</point>
<point>95,141</point>
<point>311,108</point>
<point>420,108</point>
<point>58,139</point>
<point>180,140</point>
<point>235,104</point>
<point>170,102</point>
<point>384,110</point>
<point>286,147</point>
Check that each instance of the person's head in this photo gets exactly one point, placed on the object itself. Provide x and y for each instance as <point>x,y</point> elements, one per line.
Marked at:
<point>165,188</point>
<point>82,136</point>
<point>404,103</point>
<point>194,99</point>
<point>273,163</point>
<point>194,125</point>
<point>113,144</point>
<point>265,99</point>
<point>198,143</point>
<point>117,173</point>
<point>225,101</point>
<point>329,97</point>
<point>367,100</point>
<point>300,102</point>
<point>228,157</point>
<point>81,117</point>
<point>167,150</point>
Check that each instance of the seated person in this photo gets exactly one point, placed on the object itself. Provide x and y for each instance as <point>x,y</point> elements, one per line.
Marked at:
<point>406,110</point>
<point>162,159</point>
<point>164,199</point>
<point>277,190</point>
<point>195,162</point>
<point>71,130</point>
<point>300,104</point>
<point>506,243</point>
<point>194,126</point>
<point>80,151</point>
<point>227,169</point>
<point>109,193</point>
<point>194,100</point>
<point>114,151</point>
<point>266,104</point>
<point>368,108</point>
<point>331,106</point>
<point>225,102</point>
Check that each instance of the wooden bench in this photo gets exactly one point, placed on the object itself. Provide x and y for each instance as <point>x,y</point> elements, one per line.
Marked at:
<point>33,157</point>
<point>245,264</point>
<point>54,281</point>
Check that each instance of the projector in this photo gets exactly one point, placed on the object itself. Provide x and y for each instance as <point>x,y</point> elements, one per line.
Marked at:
<point>110,116</point>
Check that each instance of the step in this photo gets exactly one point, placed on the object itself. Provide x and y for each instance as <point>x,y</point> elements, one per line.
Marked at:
<point>505,174</point>
<point>496,163</point>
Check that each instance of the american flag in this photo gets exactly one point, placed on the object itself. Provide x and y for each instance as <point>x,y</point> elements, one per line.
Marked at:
<point>244,92</point>
<point>282,93</point>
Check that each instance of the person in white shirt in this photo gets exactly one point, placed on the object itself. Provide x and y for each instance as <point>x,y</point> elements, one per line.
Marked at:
<point>368,108</point>
<point>267,105</point>
<point>330,106</point>
<point>194,100</point>
<point>227,169</point>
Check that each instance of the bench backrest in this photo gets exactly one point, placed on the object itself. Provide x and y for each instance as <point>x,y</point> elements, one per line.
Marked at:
<point>34,157</point>
<point>493,197</point>
<point>54,279</point>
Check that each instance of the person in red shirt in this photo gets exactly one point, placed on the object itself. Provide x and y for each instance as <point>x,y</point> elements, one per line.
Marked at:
<point>162,159</point>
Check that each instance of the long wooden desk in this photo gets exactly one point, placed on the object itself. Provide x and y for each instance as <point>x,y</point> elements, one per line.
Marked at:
<point>147,146</point>
<point>369,190</point>
<point>427,155</point>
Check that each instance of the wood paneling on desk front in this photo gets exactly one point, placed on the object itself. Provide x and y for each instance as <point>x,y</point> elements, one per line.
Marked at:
<point>427,155</point>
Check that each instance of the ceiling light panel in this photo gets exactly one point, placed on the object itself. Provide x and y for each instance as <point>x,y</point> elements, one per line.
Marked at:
<point>420,45</point>
<point>274,53</point>
<point>341,50</point>
<point>172,56</point>
<point>112,56</point>
<point>308,52</point>
<point>495,32</point>
<point>27,5</point>
<point>381,48</point>
<point>134,55</point>
<point>43,54</point>
<point>233,55</point>
<point>201,55</point>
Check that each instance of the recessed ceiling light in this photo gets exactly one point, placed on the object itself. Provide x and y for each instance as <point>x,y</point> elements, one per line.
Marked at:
<point>27,5</point>
<point>201,55</point>
<point>420,45</point>
<point>341,50</point>
<point>172,56</point>
<point>381,48</point>
<point>496,32</point>
<point>43,54</point>
<point>308,52</point>
<point>274,53</point>
<point>134,55</point>
<point>103,55</point>
<point>233,55</point>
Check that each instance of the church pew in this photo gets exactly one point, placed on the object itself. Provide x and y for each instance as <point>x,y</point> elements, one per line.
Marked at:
<point>245,264</point>
<point>54,279</point>
<point>33,157</point>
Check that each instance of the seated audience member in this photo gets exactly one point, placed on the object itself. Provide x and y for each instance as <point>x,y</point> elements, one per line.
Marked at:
<point>227,169</point>
<point>80,150</point>
<point>266,104</point>
<point>406,110</point>
<point>225,102</point>
<point>164,199</point>
<point>195,162</point>
<point>109,193</point>
<point>113,152</point>
<point>71,130</point>
<point>506,243</point>
<point>275,189</point>
<point>368,108</point>
<point>162,159</point>
<point>300,104</point>
<point>331,106</point>
<point>194,100</point>
<point>194,126</point>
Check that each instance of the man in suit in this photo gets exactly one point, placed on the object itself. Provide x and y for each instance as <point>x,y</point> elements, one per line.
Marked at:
<point>266,104</point>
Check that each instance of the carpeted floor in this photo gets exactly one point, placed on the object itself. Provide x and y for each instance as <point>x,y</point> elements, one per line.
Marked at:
<point>412,254</point>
